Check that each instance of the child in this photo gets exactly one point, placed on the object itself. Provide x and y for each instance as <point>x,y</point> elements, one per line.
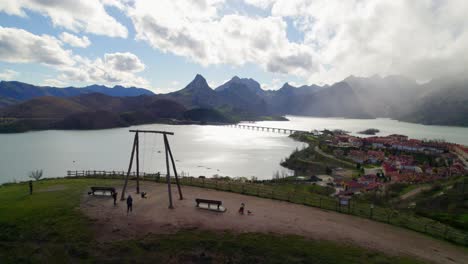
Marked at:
<point>241,209</point>
<point>129,204</point>
<point>114,195</point>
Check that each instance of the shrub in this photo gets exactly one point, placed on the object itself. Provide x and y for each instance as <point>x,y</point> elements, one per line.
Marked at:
<point>37,174</point>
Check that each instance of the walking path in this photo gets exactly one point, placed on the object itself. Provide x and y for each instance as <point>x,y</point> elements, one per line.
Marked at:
<point>152,216</point>
<point>414,192</point>
<point>319,151</point>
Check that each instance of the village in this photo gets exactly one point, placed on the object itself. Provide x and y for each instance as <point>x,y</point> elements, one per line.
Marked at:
<point>380,161</point>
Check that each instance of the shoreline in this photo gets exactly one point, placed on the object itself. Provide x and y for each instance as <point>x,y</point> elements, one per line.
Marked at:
<point>164,121</point>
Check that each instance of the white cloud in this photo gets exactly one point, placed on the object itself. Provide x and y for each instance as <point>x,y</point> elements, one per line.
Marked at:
<point>123,62</point>
<point>21,46</point>
<point>75,41</point>
<point>276,83</point>
<point>112,69</point>
<point>194,29</point>
<point>85,15</point>
<point>423,39</point>
<point>260,3</point>
<point>54,82</point>
<point>8,74</point>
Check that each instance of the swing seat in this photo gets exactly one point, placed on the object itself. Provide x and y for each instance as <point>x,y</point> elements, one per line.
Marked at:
<point>211,205</point>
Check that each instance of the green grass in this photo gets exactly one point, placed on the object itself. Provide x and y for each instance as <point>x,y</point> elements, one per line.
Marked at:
<point>285,186</point>
<point>45,224</point>
<point>49,227</point>
<point>226,247</point>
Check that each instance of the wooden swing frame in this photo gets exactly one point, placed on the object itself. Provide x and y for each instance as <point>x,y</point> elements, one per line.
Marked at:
<point>136,150</point>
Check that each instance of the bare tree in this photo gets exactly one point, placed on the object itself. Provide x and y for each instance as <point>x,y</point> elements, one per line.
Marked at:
<point>276,176</point>
<point>37,174</point>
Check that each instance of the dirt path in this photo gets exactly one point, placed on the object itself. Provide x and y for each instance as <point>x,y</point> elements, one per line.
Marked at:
<point>319,151</point>
<point>414,192</point>
<point>152,216</point>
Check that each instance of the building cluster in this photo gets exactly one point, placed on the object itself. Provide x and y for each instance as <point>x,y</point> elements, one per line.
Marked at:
<point>396,159</point>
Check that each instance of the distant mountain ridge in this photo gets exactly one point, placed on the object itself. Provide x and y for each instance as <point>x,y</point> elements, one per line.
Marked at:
<point>18,91</point>
<point>436,106</point>
<point>442,101</point>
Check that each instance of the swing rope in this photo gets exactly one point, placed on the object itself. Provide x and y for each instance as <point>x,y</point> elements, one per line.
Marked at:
<point>153,149</point>
<point>144,156</point>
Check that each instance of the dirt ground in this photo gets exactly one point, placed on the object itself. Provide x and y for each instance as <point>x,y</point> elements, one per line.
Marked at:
<point>153,216</point>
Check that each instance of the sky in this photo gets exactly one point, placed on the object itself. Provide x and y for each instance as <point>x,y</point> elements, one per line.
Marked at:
<point>162,44</point>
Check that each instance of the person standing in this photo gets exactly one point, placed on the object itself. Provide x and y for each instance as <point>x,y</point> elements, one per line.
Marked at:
<point>129,204</point>
<point>114,195</point>
<point>30,187</point>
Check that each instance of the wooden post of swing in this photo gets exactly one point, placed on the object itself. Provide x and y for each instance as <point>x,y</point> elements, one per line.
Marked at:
<point>168,175</point>
<point>137,163</point>
<point>135,144</point>
<point>166,143</point>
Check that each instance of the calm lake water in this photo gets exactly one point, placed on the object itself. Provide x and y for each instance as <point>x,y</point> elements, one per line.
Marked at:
<point>386,126</point>
<point>198,150</point>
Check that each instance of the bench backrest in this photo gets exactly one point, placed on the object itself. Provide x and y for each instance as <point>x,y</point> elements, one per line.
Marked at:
<point>208,201</point>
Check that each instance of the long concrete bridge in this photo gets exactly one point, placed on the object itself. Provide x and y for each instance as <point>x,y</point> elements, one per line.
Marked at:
<point>270,129</point>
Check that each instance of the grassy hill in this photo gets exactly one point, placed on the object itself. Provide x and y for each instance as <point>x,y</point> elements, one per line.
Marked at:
<point>95,111</point>
<point>44,107</point>
<point>49,227</point>
<point>5,101</point>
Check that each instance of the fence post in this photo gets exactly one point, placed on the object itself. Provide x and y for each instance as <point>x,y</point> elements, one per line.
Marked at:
<point>258,190</point>
<point>320,202</point>
<point>371,211</point>
<point>243,188</point>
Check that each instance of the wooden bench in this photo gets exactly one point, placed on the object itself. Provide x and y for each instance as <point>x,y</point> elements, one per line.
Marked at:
<point>104,190</point>
<point>218,204</point>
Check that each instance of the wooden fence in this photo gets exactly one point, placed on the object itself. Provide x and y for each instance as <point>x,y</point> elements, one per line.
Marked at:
<point>276,192</point>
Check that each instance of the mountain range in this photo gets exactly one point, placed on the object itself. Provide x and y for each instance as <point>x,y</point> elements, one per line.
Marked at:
<point>14,92</point>
<point>439,102</point>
